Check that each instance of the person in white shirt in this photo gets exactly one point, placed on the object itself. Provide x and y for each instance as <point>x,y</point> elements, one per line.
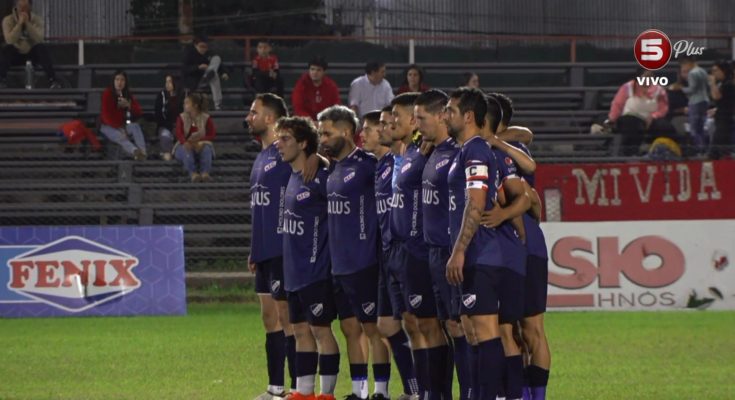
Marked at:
<point>371,91</point>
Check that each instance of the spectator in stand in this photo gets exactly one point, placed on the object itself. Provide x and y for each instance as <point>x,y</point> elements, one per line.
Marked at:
<point>370,91</point>
<point>23,32</point>
<point>169,105</point>
<point>698,92</point>
<point>203,68</point>
<point>266,72</point>
<point>119,111</point>
<point>195,133</point>
<point>722,90</point>
<point>637,110</point>
<point>470,79</point>
<point>314,91</point>
<point>414,81</point>
<point>678,108</point>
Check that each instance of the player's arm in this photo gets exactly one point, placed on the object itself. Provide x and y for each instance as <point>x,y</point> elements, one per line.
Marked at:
<point>535,210</point>
<point>522,160</point>
<point>477,176</point>
<point>517,134</point>
<point>312,166</point>
<point>520,202</point>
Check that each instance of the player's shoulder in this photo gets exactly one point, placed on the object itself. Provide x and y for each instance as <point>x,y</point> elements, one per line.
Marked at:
<point>362,156</point>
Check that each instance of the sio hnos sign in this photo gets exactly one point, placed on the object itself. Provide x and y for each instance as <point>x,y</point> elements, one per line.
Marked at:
<point>54,271</point>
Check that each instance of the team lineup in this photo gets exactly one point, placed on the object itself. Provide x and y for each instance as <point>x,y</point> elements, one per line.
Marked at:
<point>424,243</point>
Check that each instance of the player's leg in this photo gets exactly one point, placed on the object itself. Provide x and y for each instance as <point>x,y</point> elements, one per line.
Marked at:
<point>533,331</point>
<point>510,292</point>
<point>306,348</point>
<point>275,341</point>
<point>351,329</point>
<point>322,312</point>
<point>278,292</point>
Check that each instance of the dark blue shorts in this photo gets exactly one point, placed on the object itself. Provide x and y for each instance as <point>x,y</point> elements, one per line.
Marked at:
<point>344,309</point>
<point>390,296</point>
<point>415,278</point>
<point>361,292</point>
<point>492,290</point>
<point>313,304</point>
<point>447,296</point>
<point>536,286</point>
<point>269,278</point>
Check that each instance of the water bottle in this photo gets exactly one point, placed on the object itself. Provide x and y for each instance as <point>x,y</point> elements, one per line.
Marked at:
<point>29,75</point>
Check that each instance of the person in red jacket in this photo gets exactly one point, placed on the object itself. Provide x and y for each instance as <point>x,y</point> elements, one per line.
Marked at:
<point>119,110</point>
<point>195,133</point>
<point>314,91</point>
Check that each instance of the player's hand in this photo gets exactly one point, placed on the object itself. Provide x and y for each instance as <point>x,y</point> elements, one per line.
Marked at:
<point>203,66</point>
<point>454,268</point>
<point>225,77</point>
<point>494,217</point>
<point>251,266</point>
<point>310,168</point>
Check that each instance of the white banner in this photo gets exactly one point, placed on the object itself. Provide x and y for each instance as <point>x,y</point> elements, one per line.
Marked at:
<point>641,265</point>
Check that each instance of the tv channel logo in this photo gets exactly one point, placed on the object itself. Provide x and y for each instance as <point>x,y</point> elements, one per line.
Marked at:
<point>653,49</point>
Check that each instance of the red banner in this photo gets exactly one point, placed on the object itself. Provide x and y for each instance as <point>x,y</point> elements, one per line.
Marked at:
<point>637,191</point>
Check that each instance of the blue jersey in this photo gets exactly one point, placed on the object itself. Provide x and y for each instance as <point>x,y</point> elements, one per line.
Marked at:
<point>353,218</point>
<point>383,194</point>
<point>514,252</point>
<point>530,178</point>
<point>268,181</point>
<point>474,167</point>
<point>406,217</point>
<point>435,193</point>
<point>535,240</point>
<point>305,247</point>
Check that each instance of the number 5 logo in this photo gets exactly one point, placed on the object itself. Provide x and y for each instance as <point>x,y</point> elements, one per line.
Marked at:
<point>652,49</point>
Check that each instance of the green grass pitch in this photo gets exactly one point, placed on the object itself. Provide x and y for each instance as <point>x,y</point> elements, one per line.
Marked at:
<point>216,352</point>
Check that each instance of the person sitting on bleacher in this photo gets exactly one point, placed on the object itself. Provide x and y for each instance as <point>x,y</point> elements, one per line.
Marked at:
<point>203,68</point>
<point>314,91</point>
<point>266,71</point>
<point>195,133</point>
<point>23,32</point>
<point>638,112</point>
<point>119,110</point>
<point>168,107</point>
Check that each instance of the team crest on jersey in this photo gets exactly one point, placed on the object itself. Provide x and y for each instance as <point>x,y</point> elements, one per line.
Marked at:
<point>442,163</point>
<point>303,196</point>
<point>275,286</point>
<point>317,309</point>
<point>508,161</point>
<point>73,274</point>
<point>368,308</point>
<point>386,173</point>
<point>349,176</point>
<point>469,300</point>
<point>415,300</point>
<point>405,168</point>
<point>270,166</point>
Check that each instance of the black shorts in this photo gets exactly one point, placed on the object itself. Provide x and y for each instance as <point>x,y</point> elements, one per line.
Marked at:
<point>313,304</point>
<point>536,286</point>
<point>418,291</point>
<point>492,290</point>
<point>344,309</point>
<point>390,296</point>
<point>269,278</point>
<point>361,293</point>
<point>447,296</point>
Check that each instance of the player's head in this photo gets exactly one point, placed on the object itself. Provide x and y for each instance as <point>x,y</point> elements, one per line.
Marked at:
<point>404,123</point>
<point>265,110</point>
<point>201,43</point>
<point>264,48</point>
<point>296,137</point>
<point>466,109</point>
<point>337,126</point>
<point>722,70</point>
<point>386,126</point>
<point>370,133</point>
<point>317,67</point>
<point>375,71</point>
<point>494,116</point>
<point>506,104</point>
<point>196,103</point>
<point>429,114</point>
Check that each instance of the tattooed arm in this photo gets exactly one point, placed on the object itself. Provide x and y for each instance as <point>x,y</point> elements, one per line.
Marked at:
<point>470,223</point>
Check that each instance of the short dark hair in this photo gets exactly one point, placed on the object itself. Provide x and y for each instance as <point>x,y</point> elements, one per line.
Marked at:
<point>274,103</point>
<point>303,130</point>
<point>494,113</point>
<point>388,108</point>
<point>318,61</point>
<point>433,100</point>
<point>471,99</point>
<point>372,117</point>
<point>339,114</point>
<point>506,104</point>
<point>405,99</point>
<point>373,66</point>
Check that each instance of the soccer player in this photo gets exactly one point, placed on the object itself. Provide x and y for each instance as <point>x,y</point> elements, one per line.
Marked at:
<point>476,263</point>
<point>537,270</point>
<point>353,235</point>
<point>306,262</point>
<point>410,257</point>
<point>429,112</point>
<point>268,180</point>
<point>377,139</point>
